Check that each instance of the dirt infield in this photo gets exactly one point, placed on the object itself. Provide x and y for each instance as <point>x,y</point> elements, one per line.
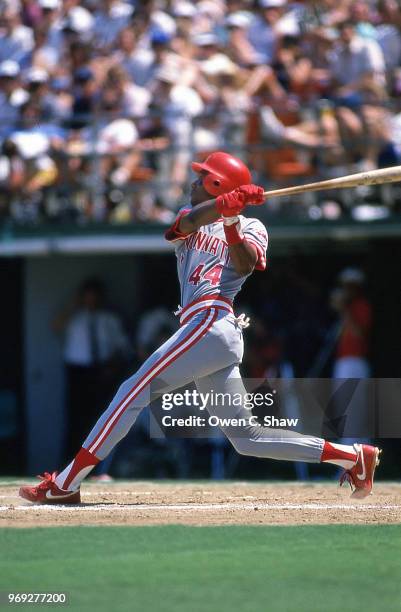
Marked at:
<point>232,503</point>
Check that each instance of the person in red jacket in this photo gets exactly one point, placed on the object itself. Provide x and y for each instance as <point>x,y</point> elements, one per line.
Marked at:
<point>352,355</point>
<point>355,325</point>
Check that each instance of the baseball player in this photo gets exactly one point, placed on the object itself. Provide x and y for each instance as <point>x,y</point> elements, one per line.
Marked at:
<point>217,249</point>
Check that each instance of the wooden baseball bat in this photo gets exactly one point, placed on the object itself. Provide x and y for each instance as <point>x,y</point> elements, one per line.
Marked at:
<point>371,177</point>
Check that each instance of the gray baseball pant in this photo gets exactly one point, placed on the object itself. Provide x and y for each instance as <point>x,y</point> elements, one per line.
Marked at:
<point>207,350</point>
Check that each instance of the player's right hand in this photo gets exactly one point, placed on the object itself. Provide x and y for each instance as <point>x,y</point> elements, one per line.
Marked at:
<point>231,204</point>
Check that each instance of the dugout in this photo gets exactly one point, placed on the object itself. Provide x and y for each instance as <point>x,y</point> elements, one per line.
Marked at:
<point>38,272</point>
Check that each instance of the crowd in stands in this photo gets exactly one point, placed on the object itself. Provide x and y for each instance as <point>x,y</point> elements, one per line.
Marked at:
<point>103,103</point>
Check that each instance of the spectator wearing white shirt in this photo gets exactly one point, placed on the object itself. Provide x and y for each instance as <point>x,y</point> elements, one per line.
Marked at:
<point>185,15</point>
<point>389,34</point>
<point>358,85</point>
<point>238,46</point>
<point>263,32</point>
<point>42,55</point>
<point>178,105</point>
<point>116,139</point>
<point>15,39</point>
<point>12,96</point>
<point>78,23</point>
<point>134,99</point>
<point>141,63</point>
<point>357,65</point>
<point>51,21</point>
<point>110,19</point>
<point>95,347</point>
<point>35,142</point>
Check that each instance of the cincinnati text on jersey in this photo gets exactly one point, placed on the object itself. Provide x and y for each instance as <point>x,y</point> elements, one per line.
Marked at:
<point>208,243</point>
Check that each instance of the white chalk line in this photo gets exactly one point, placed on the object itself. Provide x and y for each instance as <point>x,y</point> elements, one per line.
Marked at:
<point>196,507</point>
<point>95,494</point>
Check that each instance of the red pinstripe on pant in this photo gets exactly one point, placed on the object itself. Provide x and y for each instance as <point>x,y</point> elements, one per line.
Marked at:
<point>176,351</point>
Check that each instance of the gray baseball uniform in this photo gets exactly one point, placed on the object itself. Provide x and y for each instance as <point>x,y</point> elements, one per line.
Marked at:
<point>207,349</point>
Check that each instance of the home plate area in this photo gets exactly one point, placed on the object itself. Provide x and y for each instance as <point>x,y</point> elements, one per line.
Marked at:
<point>206,503</point>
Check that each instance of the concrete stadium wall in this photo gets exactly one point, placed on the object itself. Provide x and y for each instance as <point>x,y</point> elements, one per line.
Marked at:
<point>50,284</point>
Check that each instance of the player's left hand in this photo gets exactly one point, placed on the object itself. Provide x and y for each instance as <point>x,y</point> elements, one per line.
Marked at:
<point>230,204</point>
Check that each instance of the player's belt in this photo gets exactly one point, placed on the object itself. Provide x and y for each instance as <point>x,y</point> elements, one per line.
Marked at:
<point>202,303</point>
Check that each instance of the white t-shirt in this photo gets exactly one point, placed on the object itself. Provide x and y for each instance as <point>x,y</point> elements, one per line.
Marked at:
<point>15,45</point>
<point>120,134</point>
<point>136,100</point>
<point>389,39</point>
<point>263,39</point>
<point>110,337</point>
<point>363,55</point>
<point>109,24</point>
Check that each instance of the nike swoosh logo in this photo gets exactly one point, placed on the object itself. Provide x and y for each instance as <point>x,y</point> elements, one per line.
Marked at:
<point>362,475</point>
<point>49,495</point>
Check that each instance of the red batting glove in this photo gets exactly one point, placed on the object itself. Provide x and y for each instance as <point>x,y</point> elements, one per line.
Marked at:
<point>230,204</point>
<point>253,194</point>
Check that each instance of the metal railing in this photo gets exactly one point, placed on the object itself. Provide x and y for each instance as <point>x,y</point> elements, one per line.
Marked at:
<point>99,176</point>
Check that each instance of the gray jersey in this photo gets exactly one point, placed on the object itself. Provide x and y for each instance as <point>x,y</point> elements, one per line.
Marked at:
<point>203,259</point>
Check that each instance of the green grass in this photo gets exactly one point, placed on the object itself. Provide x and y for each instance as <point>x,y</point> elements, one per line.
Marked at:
<point>224,569</point>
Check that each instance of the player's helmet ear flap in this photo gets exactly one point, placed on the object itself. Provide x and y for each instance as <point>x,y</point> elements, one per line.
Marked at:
<point>224,173</point>
<point>216,185</point>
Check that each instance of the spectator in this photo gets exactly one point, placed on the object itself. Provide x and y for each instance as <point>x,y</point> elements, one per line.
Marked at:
<point>185,14</point>
<point>358,79</point>
<point>355,314</point>
<point>142,64</point>
<point>95,347</point>
<point>12,96</point>
<point>78,24</point>
<point>352,354</point>
<point>238,46</point>
<point>34,143</point>
<point>134,99</point>
<point>37,85</point>
<point>179,105</point>
<point>51,22</point>
<point>389,35</point>
<point>357,68</point>
<point>15,38</point>
<point>110,19</point>
<point>11,177</point>
<point>85,97</point>
<point>361,15</point>
<point>266,73</point>
<point>42,55</point>
<point>263,33</point>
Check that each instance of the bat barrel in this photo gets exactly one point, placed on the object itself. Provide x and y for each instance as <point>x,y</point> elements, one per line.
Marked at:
<point>371,177</point>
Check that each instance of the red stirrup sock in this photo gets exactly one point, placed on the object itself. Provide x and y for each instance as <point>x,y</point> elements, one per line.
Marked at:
<point>70,478</point>
<point>339,454</point>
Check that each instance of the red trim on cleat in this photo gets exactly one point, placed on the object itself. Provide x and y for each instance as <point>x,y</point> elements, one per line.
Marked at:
<point>47,492</point>
<point>360,477</point>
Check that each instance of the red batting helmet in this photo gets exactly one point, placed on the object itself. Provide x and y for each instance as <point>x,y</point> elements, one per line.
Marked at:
<point>224,173</point>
